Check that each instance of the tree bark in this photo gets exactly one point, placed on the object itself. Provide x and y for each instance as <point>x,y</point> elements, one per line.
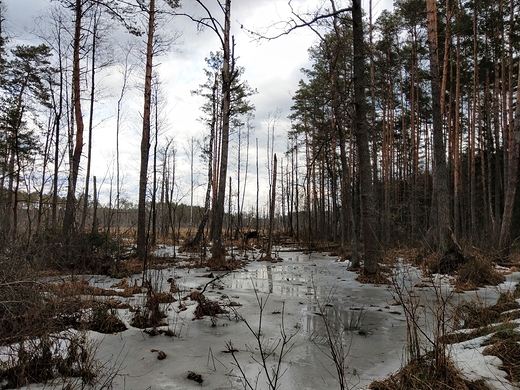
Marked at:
<point>218,250</point>
<point>68,220</point>
<point>440,218</point>
<point>142,239</point>
<point>365,176</point>
<point>271,212</point>
<point>91,120</point>
<point>512,181</point>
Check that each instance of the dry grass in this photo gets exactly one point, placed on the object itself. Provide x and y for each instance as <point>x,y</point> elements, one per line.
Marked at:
<point>104,319</point>
<point>507,350</point>
<point>435,369</point>
<point>478,271</point>
<point>38,346</point>
<point>205,306</point>
<point>415,256</point>
<point>477,315</point>
<point>47,358</point>
<point>422,375</point>
<point>471,270</point>
<point>495,321</point>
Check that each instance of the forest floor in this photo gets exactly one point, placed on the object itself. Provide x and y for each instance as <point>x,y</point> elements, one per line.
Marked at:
<point>311,301</point>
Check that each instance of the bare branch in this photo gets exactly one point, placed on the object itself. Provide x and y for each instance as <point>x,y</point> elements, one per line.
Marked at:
<point>206,22</point>
<point>296,22</point>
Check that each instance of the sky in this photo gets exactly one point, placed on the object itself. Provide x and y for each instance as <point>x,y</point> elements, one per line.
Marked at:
<point>272,67</point>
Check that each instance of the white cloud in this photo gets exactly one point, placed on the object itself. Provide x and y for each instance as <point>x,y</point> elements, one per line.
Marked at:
<point>272,67</point>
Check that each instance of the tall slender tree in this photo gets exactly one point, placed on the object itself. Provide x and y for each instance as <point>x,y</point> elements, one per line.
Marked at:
<point>512,180</point>
<point>440,215</point>
<point>150,9</point>
<point>142,241</point>
<point>370,242</point>
<point>79,7</point>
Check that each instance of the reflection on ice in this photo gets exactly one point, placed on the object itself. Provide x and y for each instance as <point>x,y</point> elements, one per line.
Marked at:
<point>280,280</point>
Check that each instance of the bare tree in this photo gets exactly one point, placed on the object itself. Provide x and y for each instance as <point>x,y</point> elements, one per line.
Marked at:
<point>68,220</point>
<point>151,50</point>
<point>272,205</point>
<point>142,242</point>
<point>223,32</point>
<point>296,21</point>
<point>95,39</point>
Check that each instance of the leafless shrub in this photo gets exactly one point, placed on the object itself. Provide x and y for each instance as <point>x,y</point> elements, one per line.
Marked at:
<point>151,315</point>
<point>334,336</point>
<point>272,351</point>
<point>67,357</point>
<point>429,331</point>
<point>428,322</point>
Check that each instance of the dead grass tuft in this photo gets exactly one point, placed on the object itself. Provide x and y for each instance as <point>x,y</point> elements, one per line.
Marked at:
<point>477,315</point>
<point>507,350</point>
<point>205,306</point>
<point>416,256</point>
<point>500,331</point>
<point>478,272</point>
<point>83,287</point>
<point>47,358</point>
<point>422,375</point>
<point>104,319</point>
<point>471,270</point>
<point>505,331</point>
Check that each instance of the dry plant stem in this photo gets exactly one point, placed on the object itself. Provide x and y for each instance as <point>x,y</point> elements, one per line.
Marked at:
<point>278,349</point>
<point>411,307</point>
<point>334,329</point>
<point>442,317</point>
<point>440,312</point>
<point>215,279</point>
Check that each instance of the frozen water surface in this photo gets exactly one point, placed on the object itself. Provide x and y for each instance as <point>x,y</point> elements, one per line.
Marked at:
<point>299,293</point>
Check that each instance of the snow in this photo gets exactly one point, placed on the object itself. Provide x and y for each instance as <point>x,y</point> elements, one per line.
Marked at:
<point>297,293</point>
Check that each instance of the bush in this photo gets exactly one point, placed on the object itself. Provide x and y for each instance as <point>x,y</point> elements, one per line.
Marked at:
<point>48,357</point>
<point>422,375</point>
<point>105,320</point>
<point>478,272</point>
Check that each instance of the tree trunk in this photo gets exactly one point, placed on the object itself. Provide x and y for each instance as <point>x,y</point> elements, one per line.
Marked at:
<point>257,213</point>
<point>153,210</point>
<point>440,219</point>
<point>362,143</point>
<point>91,121</point>
<point>68,220</point>
<point>512,181</point>
<point>142,239</point>
<point>207,203</point>
<point>218,250</point>
<point>94,207</point>
<point>57,125</point>
<point>473,128</point>
<point>271,212</point>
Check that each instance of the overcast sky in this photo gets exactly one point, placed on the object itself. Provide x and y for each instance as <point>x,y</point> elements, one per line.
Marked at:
<point>271,67</point>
